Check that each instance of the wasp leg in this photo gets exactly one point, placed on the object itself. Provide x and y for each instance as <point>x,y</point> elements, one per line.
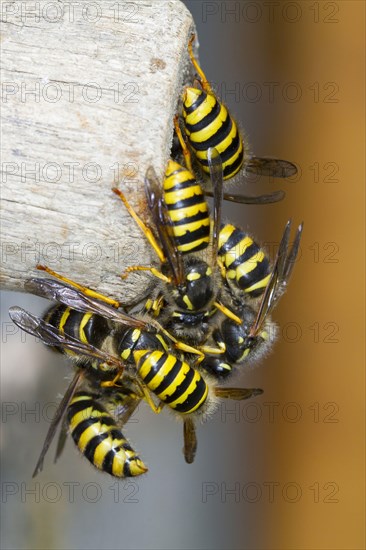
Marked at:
<point>203,80</point>
<point>154,307</point>
<point>152,270</point>
<point>208,350</point>
<point>189,349</point>
<point>113,383</point>
<point>226,311</point>
<point>146,395</point>
<point>183,144</point>
<point>84,289</point>
<point>143,226</point>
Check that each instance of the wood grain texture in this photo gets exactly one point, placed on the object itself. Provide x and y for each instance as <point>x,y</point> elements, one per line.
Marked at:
<point>88,103</point>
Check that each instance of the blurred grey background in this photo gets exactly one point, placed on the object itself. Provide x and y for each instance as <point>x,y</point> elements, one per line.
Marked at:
<point>285,470</point>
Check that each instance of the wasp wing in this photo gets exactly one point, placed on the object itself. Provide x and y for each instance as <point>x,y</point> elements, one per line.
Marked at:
<point>238,394</point>
<point>51,336</point>
<point>190,440</point>
<point>61,439</point>
<point>160,215</point>
<point>271,198</point>
<point>56,420</point>
<point>275,168</point>
<point>291,257</point>
<point>280,275</point>
<point>123,402</point>
<point>217,179</point>
<point>76,299</point>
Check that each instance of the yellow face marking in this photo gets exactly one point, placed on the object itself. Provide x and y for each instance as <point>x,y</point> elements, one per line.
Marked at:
<point>240,340</point>
<point>246,353</point>
<point>208,271</point>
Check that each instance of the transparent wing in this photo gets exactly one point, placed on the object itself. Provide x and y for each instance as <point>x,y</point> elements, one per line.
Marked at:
<point>160,215</point>
<point>71,297</point>
<point>51,336</point>
<point>217,179</point>
<point>61,439</point>
<point>123,401</point>
<point>271,167</point>
<point>271,198</point>
<point>281,272</point>
<point>238,394</point>
<point>190,440</point>
<point>291,257</point>
<point>56,420</point>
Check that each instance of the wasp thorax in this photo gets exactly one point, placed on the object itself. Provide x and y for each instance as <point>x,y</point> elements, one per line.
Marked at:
<point>197,291</point>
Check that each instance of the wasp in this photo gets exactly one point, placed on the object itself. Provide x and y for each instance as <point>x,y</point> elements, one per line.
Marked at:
<point>207,123</point>
<point>86,408</point>
<point>251,339</point>
<point>149,370</point>
<point>191,285</point>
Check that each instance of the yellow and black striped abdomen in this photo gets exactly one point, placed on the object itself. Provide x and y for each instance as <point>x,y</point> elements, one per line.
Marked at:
<point>86,327</point>
<point>173,381</point>
<point>208,123</point>
<point>244,261</point>
<point>97,436</point>
<point>187,208</point>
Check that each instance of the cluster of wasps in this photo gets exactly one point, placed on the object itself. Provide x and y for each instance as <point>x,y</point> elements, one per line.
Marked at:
<point>211,312</point>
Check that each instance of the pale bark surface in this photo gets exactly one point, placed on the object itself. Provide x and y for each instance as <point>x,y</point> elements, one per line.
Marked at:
<point>88,104</point>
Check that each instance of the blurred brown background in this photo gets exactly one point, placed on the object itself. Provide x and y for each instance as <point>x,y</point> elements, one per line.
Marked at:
<point>287,470</point>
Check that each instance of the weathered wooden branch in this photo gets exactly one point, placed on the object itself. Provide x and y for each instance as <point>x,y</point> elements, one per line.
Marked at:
<point>88,102</point>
